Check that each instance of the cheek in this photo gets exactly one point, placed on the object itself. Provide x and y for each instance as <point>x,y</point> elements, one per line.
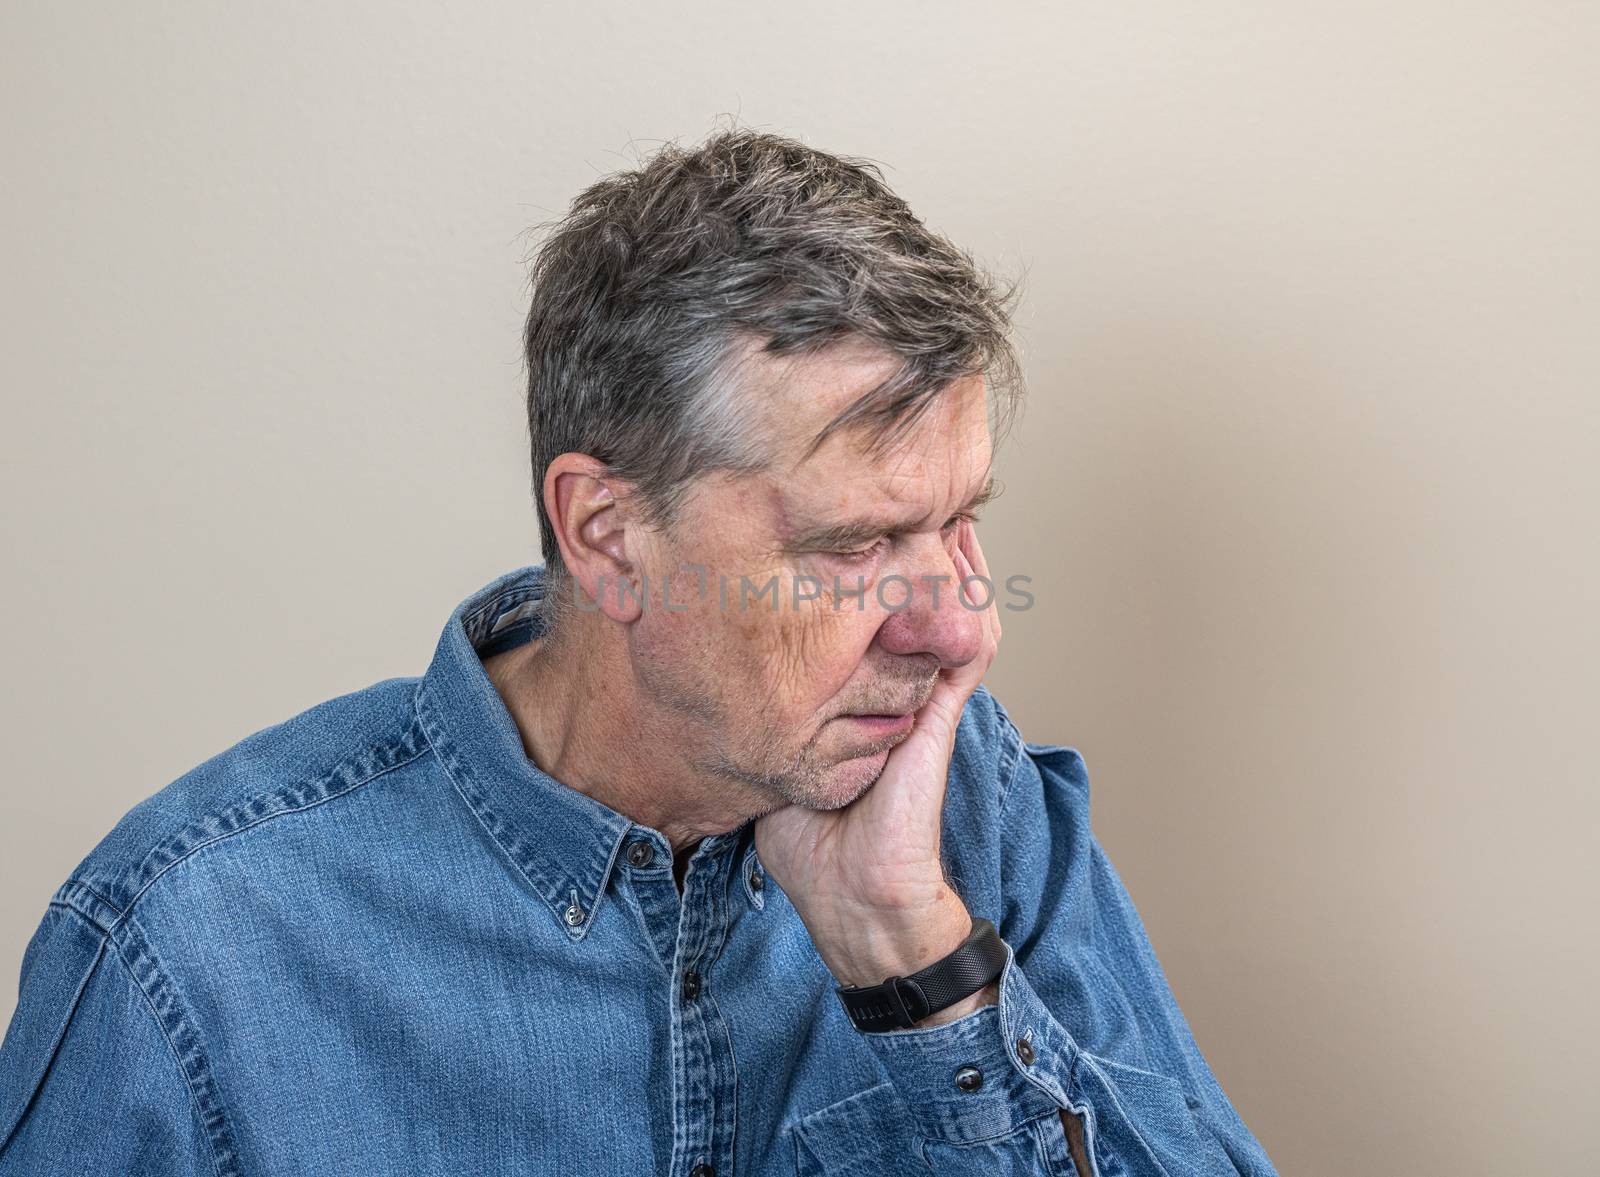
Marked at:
<point>813,651</point>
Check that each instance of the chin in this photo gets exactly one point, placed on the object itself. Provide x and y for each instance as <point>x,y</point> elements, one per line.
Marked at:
<point>849,779</point>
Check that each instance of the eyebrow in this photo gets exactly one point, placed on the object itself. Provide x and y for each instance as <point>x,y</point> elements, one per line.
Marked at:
<point>842,536</point>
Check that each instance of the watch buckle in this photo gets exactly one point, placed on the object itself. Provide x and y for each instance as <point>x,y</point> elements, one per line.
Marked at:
<point>899,988</point>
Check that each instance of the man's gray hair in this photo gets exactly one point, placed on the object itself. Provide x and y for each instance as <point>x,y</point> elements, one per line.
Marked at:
<point>658,281</point>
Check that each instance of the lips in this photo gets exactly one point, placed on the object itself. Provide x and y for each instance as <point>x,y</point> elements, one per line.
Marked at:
<point>883,723</point>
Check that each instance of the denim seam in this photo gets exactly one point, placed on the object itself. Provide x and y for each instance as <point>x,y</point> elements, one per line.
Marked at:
<point>211,1114</point>
<point>305,795</point>
<point>1016,756</point>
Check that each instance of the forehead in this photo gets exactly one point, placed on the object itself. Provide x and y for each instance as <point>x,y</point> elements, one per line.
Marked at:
<point>945,453</point>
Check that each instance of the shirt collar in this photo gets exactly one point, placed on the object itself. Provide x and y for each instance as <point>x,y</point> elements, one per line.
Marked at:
<point>565,842</point>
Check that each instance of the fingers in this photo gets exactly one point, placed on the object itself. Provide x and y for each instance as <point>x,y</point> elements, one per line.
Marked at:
<point>971,562</point>
<point>981,567</point>
<point>974,550</point>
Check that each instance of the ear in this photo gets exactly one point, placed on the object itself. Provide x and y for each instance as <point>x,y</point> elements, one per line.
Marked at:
<point>590,513</point>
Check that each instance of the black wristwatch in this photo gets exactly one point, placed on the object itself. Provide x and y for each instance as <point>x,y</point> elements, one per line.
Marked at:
<point>901,1002</point>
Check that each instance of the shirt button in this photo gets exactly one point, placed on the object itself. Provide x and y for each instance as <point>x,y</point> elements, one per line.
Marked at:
<point>756,881</point>
<point>691,989</point>
<point>702,1170</point>
<point>969,1078</point>
<point>574,915</point>
<point>640,853</point>
<point>1025,1051</point>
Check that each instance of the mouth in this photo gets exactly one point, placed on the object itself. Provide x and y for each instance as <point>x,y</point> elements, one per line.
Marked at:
<point>880,725</point>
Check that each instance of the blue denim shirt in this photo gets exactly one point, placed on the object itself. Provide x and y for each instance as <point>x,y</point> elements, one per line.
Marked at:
<point>377,939</point>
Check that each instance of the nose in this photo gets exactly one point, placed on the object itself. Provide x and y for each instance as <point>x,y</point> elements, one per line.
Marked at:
<point>933,619</point>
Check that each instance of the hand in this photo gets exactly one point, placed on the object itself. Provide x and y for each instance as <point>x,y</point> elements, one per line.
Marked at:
<point>867,879</point>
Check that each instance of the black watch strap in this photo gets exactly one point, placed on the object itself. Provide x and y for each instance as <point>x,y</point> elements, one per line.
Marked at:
<point>901,1002</point>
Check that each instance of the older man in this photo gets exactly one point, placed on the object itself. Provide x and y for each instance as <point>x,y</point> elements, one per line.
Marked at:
<point>698,849</point>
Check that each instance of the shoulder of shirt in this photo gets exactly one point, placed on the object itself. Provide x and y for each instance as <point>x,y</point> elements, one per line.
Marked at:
<point>312,757</point>
<point>991,747</point>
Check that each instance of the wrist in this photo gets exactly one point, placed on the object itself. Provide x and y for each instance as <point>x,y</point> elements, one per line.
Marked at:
<point>867,946</point>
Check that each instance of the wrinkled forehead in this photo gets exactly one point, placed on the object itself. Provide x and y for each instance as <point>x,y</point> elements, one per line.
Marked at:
<point>801,394</point>
<point>944,455</point>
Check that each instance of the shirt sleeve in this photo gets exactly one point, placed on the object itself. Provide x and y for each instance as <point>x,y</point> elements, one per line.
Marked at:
<point>1086,1021</point>
<point>88,1080</point>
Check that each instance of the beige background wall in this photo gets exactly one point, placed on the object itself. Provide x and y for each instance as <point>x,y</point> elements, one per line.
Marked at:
<point>1308,481</point>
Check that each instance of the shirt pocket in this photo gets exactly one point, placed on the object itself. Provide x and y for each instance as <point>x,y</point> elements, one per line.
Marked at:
<point>861,1134</point>
<point>866,1135</point>
<point>1148,1121</point>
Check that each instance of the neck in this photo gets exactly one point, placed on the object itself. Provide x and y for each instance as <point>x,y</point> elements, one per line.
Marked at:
<point>585,722</point>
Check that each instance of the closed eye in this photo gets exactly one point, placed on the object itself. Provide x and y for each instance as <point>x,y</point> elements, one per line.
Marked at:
<point>862,555</point>
<point>859,555</point>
